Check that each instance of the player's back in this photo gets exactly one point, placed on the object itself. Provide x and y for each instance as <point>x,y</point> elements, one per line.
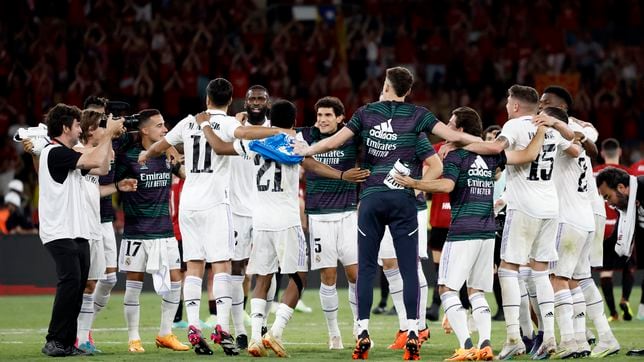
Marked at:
<point>277,204</point>
<point>572,185</point>
<point>207,174</point>
<point>530,187</point>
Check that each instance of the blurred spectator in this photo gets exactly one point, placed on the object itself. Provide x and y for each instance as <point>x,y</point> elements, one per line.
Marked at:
<point>12,219</point>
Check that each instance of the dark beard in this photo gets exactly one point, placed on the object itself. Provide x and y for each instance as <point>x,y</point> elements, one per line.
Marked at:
<point>256,118</point>
<point>622,201</point>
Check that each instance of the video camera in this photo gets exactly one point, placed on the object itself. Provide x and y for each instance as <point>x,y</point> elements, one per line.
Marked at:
<point>119,109</point>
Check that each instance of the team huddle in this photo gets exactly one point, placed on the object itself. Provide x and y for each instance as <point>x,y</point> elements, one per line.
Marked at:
<point>239,213</point>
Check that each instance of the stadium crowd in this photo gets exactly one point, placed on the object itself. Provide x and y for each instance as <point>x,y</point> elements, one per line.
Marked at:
<point>464,62</point>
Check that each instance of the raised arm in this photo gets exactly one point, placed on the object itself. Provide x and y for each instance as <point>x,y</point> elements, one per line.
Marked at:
<point>99,157</point>
<point>531,152</point>
<point>327,144</point>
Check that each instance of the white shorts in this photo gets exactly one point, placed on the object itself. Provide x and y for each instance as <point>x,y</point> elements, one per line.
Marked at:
<point>109,243</point>
<point>207,234</point>
<point>243,226</point>
<point>333,240</point>
<point>526,237</point>
<point>473,261</point>
<point>573,248</point>
<point>285,249</point>
<point>387,250</point>
<point>96,259</point>
<point>597,244</point>
<point>134,254</point>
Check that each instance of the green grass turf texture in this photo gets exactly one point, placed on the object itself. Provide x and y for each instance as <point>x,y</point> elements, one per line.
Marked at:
<point>24,319</point>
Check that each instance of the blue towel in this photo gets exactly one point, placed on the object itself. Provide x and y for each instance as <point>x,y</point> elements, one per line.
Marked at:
<point>278,148</point>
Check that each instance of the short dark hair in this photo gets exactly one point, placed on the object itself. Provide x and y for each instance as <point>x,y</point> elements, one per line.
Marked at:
<point>610,145</point>
<point>469,120</point>
<point>558,113</point>
<point>331,102</point>
<point>524,93</point>
<point>283,114</point>
<point>89,119</point>
<point>560,92</point>
<point>219,91</point>
<point>61,115</point>
<point>258,88</point>
<point>613,176</point>
<point>95,101</point>
<point>492,128</point>
<point>146,114</point>
<point>401,79</point>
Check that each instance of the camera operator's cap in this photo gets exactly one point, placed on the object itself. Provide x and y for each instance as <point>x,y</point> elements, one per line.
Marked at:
<point>17,186</point>
<point>12,198</point>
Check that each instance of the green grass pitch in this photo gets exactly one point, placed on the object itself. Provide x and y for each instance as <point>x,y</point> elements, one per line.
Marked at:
<point>23,324</point>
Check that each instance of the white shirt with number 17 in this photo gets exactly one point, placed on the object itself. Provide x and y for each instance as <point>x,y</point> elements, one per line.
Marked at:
<point>530,187</point>
<point>207,174</point>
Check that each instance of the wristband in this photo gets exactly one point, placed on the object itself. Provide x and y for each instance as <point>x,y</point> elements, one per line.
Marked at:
<point>204,124</point>
<point>116,185</point>
<point>341,174</point>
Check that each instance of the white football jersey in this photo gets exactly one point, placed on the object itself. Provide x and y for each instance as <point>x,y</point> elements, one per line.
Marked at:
<point>92,193</point>
<point>242,184</point>
<point>207,174</point>
<point>572,187</point>
<point>595,198</point>
<point>530,187</point>
<point>277,203</point>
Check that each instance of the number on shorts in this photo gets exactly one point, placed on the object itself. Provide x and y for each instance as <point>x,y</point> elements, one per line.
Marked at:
<point>137,245</point>
<point>277,176</point>
<point>196,156</point>
<point>318,246</point>
<point>536,171</point>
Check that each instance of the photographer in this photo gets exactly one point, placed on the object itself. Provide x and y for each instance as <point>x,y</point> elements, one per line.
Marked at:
<point>64,228</point>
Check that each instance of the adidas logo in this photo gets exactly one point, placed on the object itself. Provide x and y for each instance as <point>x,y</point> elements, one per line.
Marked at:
<point>191,304</point>
<point>384,131</point>
<point>479,168</point>
<point>549,315</point>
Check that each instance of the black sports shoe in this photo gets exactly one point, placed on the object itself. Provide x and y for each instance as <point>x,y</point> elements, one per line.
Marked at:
<point>54,349</point>
<point>242,341</point>
<point>225,340</point>
<point>75,351</point>
<point>432,312</point>
<point>361,351</point>
<point>199,344</point>
<point>627,313</point>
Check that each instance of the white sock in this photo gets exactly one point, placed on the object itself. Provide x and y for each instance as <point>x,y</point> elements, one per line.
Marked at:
<point>412,326</point>
<point>595,309</point>
<point>482,316</point>
<point>192,299</point>
<point>579,313</point>
<point>329,303</point>
<point>524,311</point>
<point>532,293</point>
<point>257,310</point>
<point>238,304</point>
<point>511,301</point>
<point>222,292</point>
<point>85,318</point>
<point>270,298</point>
<point>363,325</point>
<point>169,306</point>
<point>546,298</point>
<point>396,292</point>
<point>563,313</point>
<point>456,316</point>
<point>132,308</point>
<point>422,306</point>
<point>353,303</point>
<point>103,291</point>
<point>282,316</point>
